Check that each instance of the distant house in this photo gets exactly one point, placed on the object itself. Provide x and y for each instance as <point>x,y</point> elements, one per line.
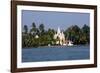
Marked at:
<point>36,36</point>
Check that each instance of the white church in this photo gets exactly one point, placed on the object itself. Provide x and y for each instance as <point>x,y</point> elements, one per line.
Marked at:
<point>60,38</point>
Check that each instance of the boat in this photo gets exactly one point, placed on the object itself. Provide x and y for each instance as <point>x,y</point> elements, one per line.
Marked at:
<point>70,43</point>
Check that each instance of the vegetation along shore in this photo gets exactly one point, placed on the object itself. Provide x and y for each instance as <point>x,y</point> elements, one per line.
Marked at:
<point>39,36</point>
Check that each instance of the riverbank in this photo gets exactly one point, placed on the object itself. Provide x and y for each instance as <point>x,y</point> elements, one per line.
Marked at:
<point>56,46</point>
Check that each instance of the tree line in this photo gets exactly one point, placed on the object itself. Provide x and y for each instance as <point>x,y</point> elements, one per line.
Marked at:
<point>38,36</point>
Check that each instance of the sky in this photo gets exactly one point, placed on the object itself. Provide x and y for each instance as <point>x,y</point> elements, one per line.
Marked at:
<point>52,19</point>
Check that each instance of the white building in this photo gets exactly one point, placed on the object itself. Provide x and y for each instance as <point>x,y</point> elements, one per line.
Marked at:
<point>60,37</point>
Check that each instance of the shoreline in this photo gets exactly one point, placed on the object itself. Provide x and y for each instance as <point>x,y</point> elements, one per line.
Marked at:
<point>57,46</point>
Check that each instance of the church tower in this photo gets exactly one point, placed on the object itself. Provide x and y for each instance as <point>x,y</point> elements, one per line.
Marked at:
<point>58,31</point>
<point>61,37</point>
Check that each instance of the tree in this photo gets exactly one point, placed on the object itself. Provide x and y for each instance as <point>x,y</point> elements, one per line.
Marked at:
<point>33,30</point>
<point>24,36</point>
<point>85,29</point>
<point>41,28</point>
<point>25,29</point>
<point>86,33</point>
<point>73,34</point>
<point>33,25</point>
<point>51,32</point>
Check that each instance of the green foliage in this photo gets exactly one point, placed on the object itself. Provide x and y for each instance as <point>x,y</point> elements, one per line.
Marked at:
<point>78,35</point>
<point>41,28</point>
<point>45,37</point>
<point>86,33</point>
<point>25,29</point>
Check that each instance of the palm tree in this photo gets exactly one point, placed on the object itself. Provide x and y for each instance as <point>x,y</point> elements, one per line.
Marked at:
<point>41,28</point>
<point>86,31</point>
<point>25,29</point>
<point>33,29</point>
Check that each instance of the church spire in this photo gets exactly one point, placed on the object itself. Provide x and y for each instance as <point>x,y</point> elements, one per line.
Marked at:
<point>58,30</point>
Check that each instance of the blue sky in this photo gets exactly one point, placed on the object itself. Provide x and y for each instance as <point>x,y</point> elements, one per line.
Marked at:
<point>54,19</point>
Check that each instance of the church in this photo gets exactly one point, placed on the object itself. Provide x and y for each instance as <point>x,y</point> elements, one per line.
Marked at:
<point>60,37</point>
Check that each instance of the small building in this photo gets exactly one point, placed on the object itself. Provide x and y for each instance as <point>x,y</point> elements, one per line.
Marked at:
<point>36,36</point>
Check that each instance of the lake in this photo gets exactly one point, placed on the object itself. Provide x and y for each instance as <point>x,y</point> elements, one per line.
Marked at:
<point>57,53</point>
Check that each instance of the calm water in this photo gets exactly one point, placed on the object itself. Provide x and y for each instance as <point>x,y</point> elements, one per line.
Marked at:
<point>55,54</point>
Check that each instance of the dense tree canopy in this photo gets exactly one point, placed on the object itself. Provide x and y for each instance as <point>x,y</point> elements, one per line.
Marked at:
<point>44,37</point>
<point>78,35</point>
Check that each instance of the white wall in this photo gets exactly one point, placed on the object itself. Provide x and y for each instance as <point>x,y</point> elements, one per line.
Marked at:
<point>5,37</point>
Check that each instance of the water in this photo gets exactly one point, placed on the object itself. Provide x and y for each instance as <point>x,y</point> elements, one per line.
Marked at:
<point>55,53</point>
